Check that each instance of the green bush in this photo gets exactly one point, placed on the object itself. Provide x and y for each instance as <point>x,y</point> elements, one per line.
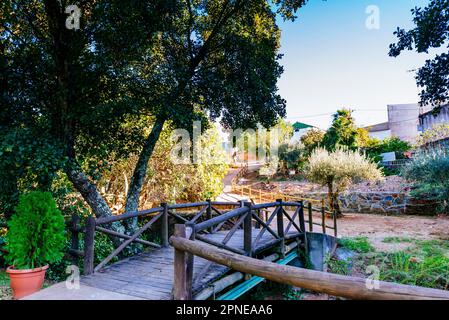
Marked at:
<point>376,147</point>
<point>36,234</point>
<point>429,173</point>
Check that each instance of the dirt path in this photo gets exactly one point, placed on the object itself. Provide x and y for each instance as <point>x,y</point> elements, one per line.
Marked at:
<point>377,228</point>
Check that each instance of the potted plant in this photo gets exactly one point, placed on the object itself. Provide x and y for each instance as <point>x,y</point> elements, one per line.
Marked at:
<point>35,238</point>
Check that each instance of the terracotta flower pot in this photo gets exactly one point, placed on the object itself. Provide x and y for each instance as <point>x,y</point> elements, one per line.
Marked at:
<point>27,281</point>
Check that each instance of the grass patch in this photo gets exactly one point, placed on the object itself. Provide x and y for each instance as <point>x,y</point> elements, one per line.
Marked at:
<point>425,264</point>
<point>396,240</point>
<point>357,244</point>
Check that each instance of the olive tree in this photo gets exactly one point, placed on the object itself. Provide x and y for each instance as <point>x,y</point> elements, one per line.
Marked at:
<point>338,169</point>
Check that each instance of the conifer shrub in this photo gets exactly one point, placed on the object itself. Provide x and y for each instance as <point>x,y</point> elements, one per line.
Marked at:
<point>36,234</point>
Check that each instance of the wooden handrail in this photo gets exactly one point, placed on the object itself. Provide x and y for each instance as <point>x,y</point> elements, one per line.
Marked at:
<point>333,284</point>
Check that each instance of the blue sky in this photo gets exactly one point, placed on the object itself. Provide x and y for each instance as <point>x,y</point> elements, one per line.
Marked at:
<point>333,60</point>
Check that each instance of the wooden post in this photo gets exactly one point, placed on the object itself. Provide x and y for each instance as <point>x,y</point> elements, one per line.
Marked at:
<point>209,213</point>
<point>323,216</point>
<point>181,289</point>
<point>280,227</point>
<point>309,208</point>
<point>89,246</point>
<point>164,225</point>
<point>191,234</point>
<point>247,231</point>
<point>335,224</point>
<point>302,223</point>
<point>74,224</point>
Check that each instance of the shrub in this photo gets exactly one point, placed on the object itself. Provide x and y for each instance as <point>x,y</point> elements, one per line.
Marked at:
<point>338,169</point>
<point>36,232</point>
<point>429,173</point>
<point>376,147</point>
<point>312,139</point>
<point>291,157</point>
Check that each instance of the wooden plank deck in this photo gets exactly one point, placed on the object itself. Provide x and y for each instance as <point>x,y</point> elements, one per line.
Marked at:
<point>150,275</point>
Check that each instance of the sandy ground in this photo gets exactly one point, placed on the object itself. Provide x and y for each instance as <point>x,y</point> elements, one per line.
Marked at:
<point>377,228</point>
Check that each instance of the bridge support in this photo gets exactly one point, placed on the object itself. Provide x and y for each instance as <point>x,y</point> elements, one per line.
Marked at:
<point>182,282</point>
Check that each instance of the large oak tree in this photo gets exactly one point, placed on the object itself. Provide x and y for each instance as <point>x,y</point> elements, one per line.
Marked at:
<point>74,100</point>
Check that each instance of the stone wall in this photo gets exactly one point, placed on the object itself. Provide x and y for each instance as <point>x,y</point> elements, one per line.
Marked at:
<point>380,202</point>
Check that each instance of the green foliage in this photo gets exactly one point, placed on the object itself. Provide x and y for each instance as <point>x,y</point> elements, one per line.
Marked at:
<point>377,147</point>
<point>429,173</point>
<point>36,232</point>
<point>358,244</point>
<point>85,96</point>
<point>437,132</point>
<point>312,139</point>
<point>340,168</point>
<point>430,32</point>
<point>342,133</point>
<point>292,157</point>
<point>339,266</point>
<point>426,264</point>
<point>167,181</point>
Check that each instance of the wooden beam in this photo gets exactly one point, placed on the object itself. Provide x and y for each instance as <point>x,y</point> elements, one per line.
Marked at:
<point>127,237</point>
<point>247,231</point>
<point>333,284</point>
<point>164,225</point>
<point>89,246</point>
<point>127,242</point>
<point>309,207</point>
<point>180,288</point>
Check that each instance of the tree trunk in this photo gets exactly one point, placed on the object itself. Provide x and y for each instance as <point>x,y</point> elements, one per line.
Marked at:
<point>333,200</point>
<point>90,194</point>
<point>140,171</point>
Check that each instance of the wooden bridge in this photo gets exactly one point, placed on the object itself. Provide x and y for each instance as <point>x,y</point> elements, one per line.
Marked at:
<point>213,247</point>
<point>244,228</point>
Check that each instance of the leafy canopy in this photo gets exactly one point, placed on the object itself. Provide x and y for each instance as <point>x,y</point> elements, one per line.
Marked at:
<point>430,31</point>
<point>340,168</point>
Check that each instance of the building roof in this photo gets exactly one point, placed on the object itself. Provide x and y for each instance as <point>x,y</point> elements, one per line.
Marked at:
<point>300,125</point>
<point>378,127</point>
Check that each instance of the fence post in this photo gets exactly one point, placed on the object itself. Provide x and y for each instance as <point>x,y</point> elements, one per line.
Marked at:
<point>302,223</point>
<point>309,208</point>
<point>247,231</point>
<point>89,246</point>
<point>335,224</point>
<point>164,225</point>
<point>191,234</point>
<point>181,288</point>
<point>323,216</point>
<point>280,227</point>
<point>74,225</point>
<point>209,213</point>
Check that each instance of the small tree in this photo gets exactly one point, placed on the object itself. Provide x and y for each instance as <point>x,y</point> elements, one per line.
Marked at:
<point>36,232</point>
<point>338,169</point>
<point>343,132</point>
<point>312,139</point>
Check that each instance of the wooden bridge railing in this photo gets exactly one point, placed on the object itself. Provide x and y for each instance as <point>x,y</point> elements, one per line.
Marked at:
<point>207,220</point>
<point>333,284</point>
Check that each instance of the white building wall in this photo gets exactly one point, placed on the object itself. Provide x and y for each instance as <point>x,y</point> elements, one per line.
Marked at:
<point>403,120</point>
<point>380,134</point>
